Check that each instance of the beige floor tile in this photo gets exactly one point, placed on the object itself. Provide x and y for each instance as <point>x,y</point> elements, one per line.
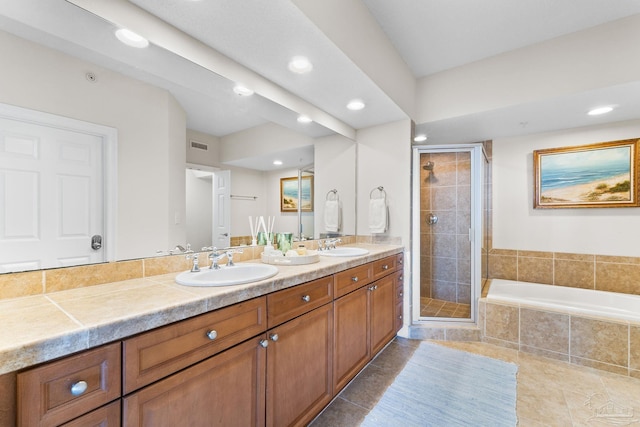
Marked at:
<point>549,392</point>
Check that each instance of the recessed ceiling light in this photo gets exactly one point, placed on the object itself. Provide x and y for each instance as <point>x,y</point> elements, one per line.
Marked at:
<point>277,162</point>
<point>132,39</point>
<point>355,104</point>
<point>420,138</point>
<point>300,65</point>
<point>242,90</point>
<point>600,110</point>
<point>304,119</point>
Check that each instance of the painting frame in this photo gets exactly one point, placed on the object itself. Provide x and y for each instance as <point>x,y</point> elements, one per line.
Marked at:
<point>290,185</point>
<point>600,175</point>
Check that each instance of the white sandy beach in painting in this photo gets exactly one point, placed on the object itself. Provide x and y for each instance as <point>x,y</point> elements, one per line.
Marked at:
<point>589,192</point>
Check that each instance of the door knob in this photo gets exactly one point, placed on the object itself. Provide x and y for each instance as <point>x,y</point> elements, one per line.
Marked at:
<point>96,242</point>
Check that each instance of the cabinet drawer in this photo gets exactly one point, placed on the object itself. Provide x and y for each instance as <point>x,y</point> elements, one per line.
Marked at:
<point>384,266</point>
<point>107,416</point>
<point>352,279</point>
<point>59,391</point>
<point>289,303</point>
<point>161,352</point>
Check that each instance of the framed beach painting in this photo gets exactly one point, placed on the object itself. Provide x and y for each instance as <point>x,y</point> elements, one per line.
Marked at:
<point>602,175</point>
<point>289,197</point>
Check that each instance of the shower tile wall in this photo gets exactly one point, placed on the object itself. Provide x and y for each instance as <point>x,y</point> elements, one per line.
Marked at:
<point>445,191</point>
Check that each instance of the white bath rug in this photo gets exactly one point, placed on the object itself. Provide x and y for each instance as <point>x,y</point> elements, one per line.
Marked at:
<point>440,386</point>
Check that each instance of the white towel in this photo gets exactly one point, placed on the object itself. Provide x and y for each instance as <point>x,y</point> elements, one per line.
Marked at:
<point>377,215</point>
<point>331,216</point>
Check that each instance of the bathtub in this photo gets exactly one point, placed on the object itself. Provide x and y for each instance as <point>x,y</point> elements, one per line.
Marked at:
<point>562,298</point>
<point>579,326</point>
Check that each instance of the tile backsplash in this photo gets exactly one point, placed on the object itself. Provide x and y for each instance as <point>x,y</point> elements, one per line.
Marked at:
<point>599,272</point>
<point>15,285</point>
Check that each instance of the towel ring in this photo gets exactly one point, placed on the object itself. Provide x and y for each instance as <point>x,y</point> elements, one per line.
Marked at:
<point>382,193</point>
<point>335,195</point>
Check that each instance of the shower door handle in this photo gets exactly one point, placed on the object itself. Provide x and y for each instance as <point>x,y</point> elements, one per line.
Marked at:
<point>432,219</point>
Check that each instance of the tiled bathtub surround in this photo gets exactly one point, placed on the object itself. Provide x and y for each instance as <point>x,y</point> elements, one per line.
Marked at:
<point>15,285</point>
<point>589,341</point>
<point>600,272</point>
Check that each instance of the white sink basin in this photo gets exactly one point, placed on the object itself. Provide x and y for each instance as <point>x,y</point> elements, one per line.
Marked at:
<point>227,276</point>
<point>344,251</point>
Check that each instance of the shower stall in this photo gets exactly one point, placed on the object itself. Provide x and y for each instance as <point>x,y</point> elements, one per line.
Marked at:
<point>449,231</point>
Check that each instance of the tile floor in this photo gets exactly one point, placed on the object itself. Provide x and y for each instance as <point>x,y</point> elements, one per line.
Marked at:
<point>430,307</point>
<point>550,393</point>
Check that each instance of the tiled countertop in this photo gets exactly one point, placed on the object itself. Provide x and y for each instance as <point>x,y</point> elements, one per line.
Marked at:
<point>39,328</point>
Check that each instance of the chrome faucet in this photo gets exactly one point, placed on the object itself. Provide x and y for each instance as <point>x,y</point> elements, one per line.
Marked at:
<point>216,256</point>
<point>230,253</point>
<point>331,243</point>
<point>195,267</point>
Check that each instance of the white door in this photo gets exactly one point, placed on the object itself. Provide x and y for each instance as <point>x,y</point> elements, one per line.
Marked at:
<point>51,195</point>
<point>221,209</point>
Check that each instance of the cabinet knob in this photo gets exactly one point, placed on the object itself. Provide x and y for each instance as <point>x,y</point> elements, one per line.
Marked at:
<point>79,388</point>
<point>273,337</point>
<point>385,267</point>
<point>264,343</point>
<point>400,278</point>
<point>354,279</point>
<point>401,294</point>
<point>212,335</point>
<point>373,288</point>
<point>306,298</point>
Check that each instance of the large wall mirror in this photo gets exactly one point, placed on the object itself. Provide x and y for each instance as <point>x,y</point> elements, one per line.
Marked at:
<point>164,108</point>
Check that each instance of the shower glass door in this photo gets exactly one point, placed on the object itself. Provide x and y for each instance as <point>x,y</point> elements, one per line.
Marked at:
<point>447,232</point>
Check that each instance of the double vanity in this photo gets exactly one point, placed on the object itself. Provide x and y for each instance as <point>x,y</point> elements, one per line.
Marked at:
<point>273,352</point>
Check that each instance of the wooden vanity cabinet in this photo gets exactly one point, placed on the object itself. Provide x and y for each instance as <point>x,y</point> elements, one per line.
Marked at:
<point>275,360</point>
<point>156,354</point>
<point>299,359</point>
<point>365,319</point>
<point>227,389</point>
<point>60,391</point>
<point>106,416</point>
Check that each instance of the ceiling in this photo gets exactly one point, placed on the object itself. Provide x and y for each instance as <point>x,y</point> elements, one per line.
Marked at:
<point>430,35</point>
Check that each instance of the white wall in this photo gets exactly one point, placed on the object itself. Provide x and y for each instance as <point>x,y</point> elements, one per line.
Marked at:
<point>335,168</point>
<point>602,56</point>
<point>247,182</point>
<point>516,225</point>
<point>150,128</point>
<point>210,157</point>
<point>384,159</point>
<point>199,200</point>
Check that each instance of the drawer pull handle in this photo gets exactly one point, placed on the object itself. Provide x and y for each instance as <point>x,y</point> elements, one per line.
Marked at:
<point>354,279</point>
<point>373,288</point>
<point>79,388</point>
<point>212,335</point>
<point>385,267</point>
<point>264,343</point>
<point>306,298</point>
<point>273,337</point>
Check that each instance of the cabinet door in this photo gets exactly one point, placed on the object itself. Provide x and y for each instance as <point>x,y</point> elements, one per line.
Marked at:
<point>225,390</point>
<point>107,416</point>
<point>383,306</point>
<point>351,338</point>
<point>299,359</point>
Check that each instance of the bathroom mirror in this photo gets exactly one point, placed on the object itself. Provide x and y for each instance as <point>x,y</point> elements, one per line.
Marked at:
<point>112,86</point>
